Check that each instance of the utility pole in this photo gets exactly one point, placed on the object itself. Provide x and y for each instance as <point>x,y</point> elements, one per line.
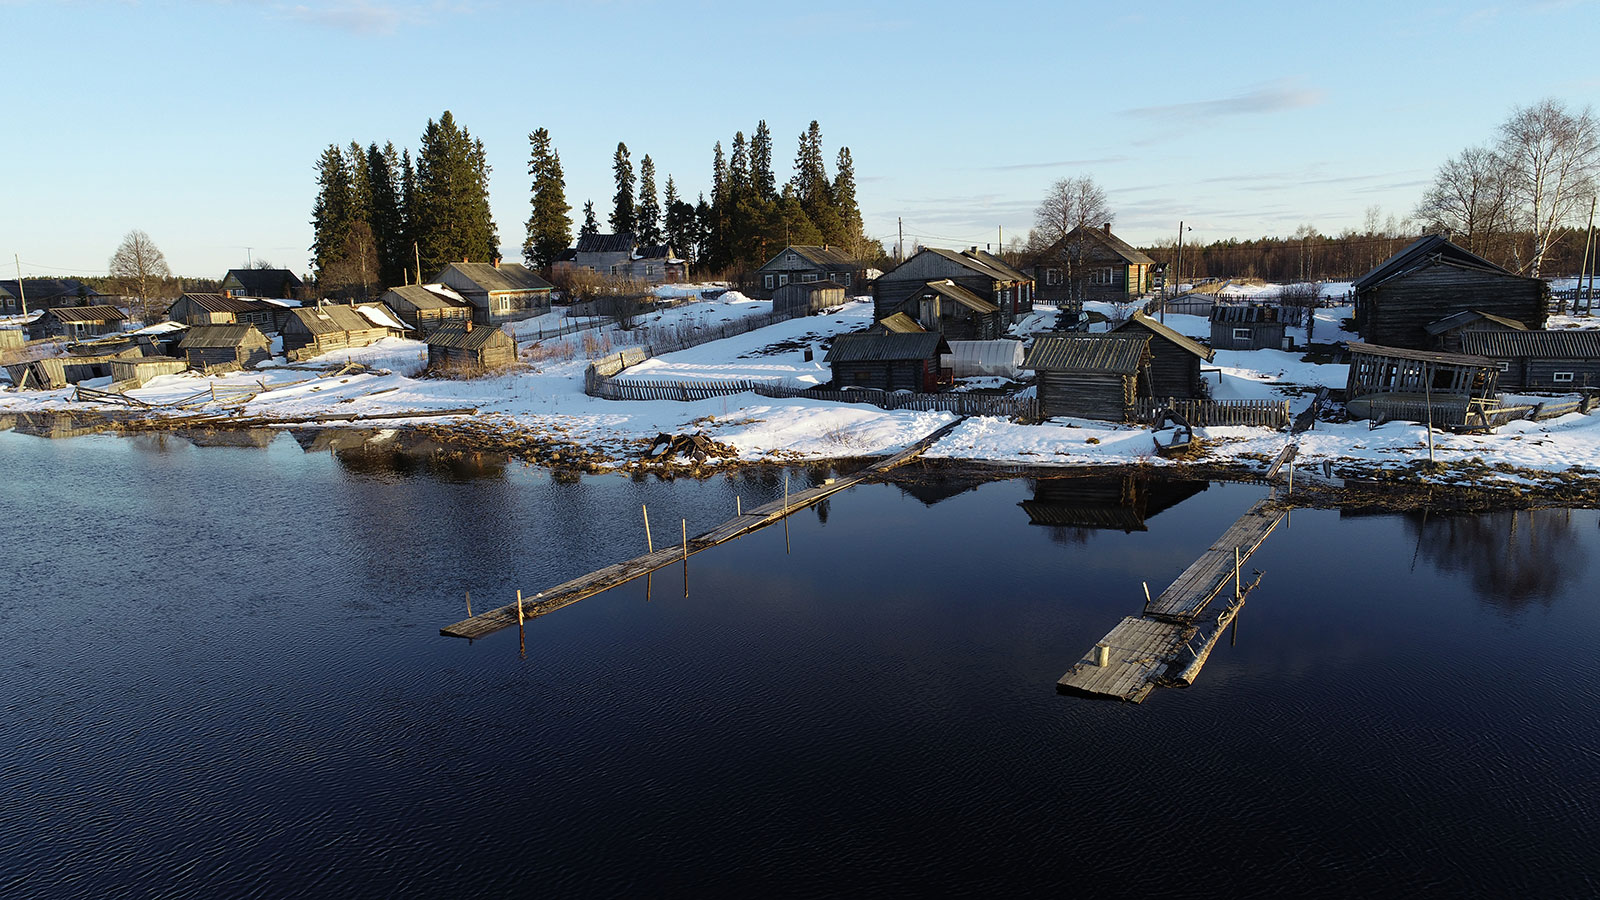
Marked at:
<point>418,256</point>
<point>1178,276</point>
<point>22,293</point>
<point>900,246</point>
<point>1000,240</point>
<point>1588,264</point>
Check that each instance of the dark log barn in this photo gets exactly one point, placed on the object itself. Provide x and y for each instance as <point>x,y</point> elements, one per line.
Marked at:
<point>470,349</point>
<point>1433,279</point>
<point>1539,360</point>
<point>1174,359</point>
<point>807,298</point>
<point>1090,376</point>
<point>1246,328</point>
<point>890,362</point>
<point>211,348</point>
<point>980,272</point>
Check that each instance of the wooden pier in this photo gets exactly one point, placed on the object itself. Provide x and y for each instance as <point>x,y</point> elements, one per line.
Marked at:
<point>567,593</point>
<point>1187,597</point>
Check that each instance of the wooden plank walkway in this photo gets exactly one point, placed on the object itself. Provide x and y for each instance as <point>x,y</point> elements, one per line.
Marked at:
<point>1187,597</point>
<point>1140,650</point>
<point>570,592</point>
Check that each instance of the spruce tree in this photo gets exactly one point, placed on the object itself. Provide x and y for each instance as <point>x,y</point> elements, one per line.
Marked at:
<point>384,214</point>
<point>680,221</point>
<point>408,214</point>
<point>591,225</point>
<point>704,217</point>
<point>623,218</point>
<point>332,214</point>
<point>761,163</point>
<point>811,185</point>
<point>648,216</point>
<point>844,201</point>
<point>549,226</point>
<point>453,218</point>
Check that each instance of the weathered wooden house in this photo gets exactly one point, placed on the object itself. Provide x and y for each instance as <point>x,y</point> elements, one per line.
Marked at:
<point>622,256</point>
<point>222,309</point>
<point>980,272</point>
<point>955,312</point>
<point>1445,334</point>
<point>1121,502</point>
<point>1174,359</point>
<point>465,348</point>
<point>1090,263</point>
<point>46,293</point>
<point>328,327</point>
<point>212,348</point>
<point>427,307</point>
<point>1090,376</point>
<point>277,284</point>
<point>1399,383</point>
<point>74,323</point>
<point>805,264</point>
<point>137,372</point>
<point>498,292</point>
<point>807,298</point>
<point>1432,279</point>
<point>1250,327</point>
<point>1539,360</point>
<point>890,362</point>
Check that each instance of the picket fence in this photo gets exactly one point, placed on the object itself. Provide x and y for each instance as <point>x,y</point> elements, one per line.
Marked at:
<point>1268,413</point>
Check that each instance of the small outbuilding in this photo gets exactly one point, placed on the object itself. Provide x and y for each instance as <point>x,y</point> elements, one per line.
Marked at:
<point>807,299</point>
<point>1090,376</point>
<point>890,362</point>
<point>212,348</point>
<point>1420,385</point>
<point>1247,328</point>
<point>468,348</point>
<point>1445,334</point>
<point>956,312</point>
<point>1539,360</point>
<point>427,307</point>
<point>899,323</point>
<point>1174,359</point>
<point>327,328</point>
<point>221,309</point>
<point>74,323</point>
<point>135,373</point>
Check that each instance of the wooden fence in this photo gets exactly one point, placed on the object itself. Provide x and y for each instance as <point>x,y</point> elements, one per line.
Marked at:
<point>598,383</point>
<point>1268,413</point>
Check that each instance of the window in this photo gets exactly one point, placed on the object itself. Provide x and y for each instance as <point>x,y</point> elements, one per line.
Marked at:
<point>1503,366</point>
<point>1052,276</point>
<point>844,278</point>
<point>766,282</point>
<point>1103,276</point>
<point>783,278</point>
<point>1561,377</point>
<point>1241,334</point>
<point>809,277</point>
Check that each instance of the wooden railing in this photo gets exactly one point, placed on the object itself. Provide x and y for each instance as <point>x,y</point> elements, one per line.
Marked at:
<point>1268,413</point>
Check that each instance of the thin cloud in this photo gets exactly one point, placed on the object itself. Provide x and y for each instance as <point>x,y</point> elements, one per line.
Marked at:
<point>1060,164</point>
<point>1267,99</point>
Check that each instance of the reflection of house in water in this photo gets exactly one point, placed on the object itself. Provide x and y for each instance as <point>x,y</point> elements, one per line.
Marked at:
<point>1511,558</point>
<point>58,424</point>
<point>1074,506</point>
<point>245,438</point>
<point>931,490</point>
<point>391,453</point>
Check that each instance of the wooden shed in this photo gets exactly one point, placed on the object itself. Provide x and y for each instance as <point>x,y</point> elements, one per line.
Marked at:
<point>212,348</point>
<point>1090,376</point>
<point>1250,327</point>
<point>1539,360</point>
<point>11,339</point>
<point>75,323</point>
<point>890,362</point>
<point>1445,334</point>
<point>807,299</point>
<point>133,373</point>
<point>1432,279</point>
<point>221,309</point>
<point>1418,385</point>
<point>1174,359</point>
<point>427,307</point>
<point>899,323</point>
<point>326,328</point>
<point>469,348</point>
<point>956,312</point>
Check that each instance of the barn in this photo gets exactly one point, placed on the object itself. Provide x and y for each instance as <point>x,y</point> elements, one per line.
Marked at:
<point>807,298</point>
<point>1539,360</point>
<point>890,362</point>
<point>1090,376</point>
<point>211,348</point>
<point>327,328</point>
<point>1432,279</point>
<point>1247,328</point>
<point>1174,359</point>
<point>75,323</point>
<point>468,348</point>
<point>427,307</point>
<point>1445,334</point>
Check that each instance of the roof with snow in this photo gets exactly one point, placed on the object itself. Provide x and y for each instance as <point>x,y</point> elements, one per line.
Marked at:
<point>504,277</point>
<point>1116,354</point>
<point>332,317</point>
<point>849,348</point>
<point>900,323</point>
<point>429,296</point>
<point>381,316</point>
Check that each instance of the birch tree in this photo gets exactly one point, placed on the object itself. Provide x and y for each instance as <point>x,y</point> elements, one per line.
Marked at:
<point>141,266</point>
<point>1552,156</point>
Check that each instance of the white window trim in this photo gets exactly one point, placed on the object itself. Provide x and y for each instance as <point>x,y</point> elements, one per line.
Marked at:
<point>1241,334</point>
<point>783,278</point>
<point>766,281</point>
<point>1561,377</point>
<point>1503,366</point>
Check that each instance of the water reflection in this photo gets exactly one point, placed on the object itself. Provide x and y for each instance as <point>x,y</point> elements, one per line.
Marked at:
<point>55,424</point>
<point>1511,558</point>
<point>387,453</point>
<point>1073,508</point>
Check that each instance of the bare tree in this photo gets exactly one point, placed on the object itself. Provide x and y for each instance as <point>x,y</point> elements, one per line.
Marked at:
<point>1553,156</point>
<point>140,266</point>
<point>354,274</point>
<point>1471,198</point>
<point>1070,202</point>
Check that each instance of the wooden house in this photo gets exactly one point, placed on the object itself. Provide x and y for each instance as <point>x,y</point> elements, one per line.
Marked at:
<point>467,348</point>
<point>222,309</point>
<point>890,362</point>
<point>45,293</point>
<point>1432,279</point>
<point>1539,360</point>
<point>427,307</point>
<point>1090,376</point>
<point>1121,502</point>
<point>328,327</point>
<point>1445,334</point>
<point>74,323</point>
<point>622,256</point>
<point>982,273</point>
<point>211,348</point>
<point>808,298</point>
<point>1091,263</point>
<point>1174,359</point>
<point>1417,385</point>
<point>1247,328</point>
<point>137,372</point>
<point>498,292</point>
<point>277,284</point>
<point>805,264</point>
<point>955,312</point>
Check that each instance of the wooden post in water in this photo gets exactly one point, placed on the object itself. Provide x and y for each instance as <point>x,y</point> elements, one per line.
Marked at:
<point>649,543</point>
<point>685,539</point>
<point>1291,479</point>
<point>786,493</point>
<point>738,505</point>
<point>1236,573</point>
<point>519,609</point>
<point>1146,594</point>
<point>469,604</point>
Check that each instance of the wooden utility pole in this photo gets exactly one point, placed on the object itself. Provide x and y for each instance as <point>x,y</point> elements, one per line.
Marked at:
<point>1588,265</point>
<point>22,293</point>
<point>900,246</point>
<point>417,254</point>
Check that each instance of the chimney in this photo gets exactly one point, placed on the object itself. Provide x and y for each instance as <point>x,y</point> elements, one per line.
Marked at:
<point>469,324</point>
<point>497,259</point>
<point>1107,227</point>
<point>464,259</point>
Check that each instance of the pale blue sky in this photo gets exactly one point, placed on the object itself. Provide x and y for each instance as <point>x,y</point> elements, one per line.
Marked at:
<point>201,122</point>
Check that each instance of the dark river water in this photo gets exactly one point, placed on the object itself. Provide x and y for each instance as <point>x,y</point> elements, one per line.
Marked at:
<point>221,676</point>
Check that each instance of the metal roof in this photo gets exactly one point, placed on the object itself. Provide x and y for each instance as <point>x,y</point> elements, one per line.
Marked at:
<point>1162,331</point>
<point>504,277</point>
<point>1244,315</point>
<point>222,336</point>
<point>458,337</point>
<point>264,282</point>
<point>1468,316</point>
<point>961,295</point>
<point>87,314</point>
<point>221,303</point>
<point>984,264</point>
<point>848,348</point>
<point>1424,251</point>
<point>1449,359</point>
<point>606,243</point>
<point>1114,353</point>
<point>40,290</point>
<point>825,256</point>
<point>1566,344</point>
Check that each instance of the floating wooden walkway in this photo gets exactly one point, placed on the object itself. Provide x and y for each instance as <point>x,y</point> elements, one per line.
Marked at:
<point>1143,652</point>
<point>567,593</point>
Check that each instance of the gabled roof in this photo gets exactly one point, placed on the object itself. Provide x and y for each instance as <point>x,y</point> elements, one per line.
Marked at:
<point>1424,251</point>
<point>1090,233</point>
<point>606,243</point>
<point>222,336</point>
<point>827,257</point>
<point>1189,344</point>
<point>1467,317</point>
<point>263,282</point>
<point>430,296</point>
<point>1448,359</point>
<point>652,251</point>
<point>959,294</point>
<point>848,348</point>
<point>221,303</point>
<point>900,323</point>
<point>504,277</point>
<point>1115,354</point>
<point>1244,315</point>
<point>1564,344</point>
<point>42,290</point>
<point>330,318</point>
<point>381,316</point>
<point>87,314</point>
<point>984,264</point>
<point>457,337</point>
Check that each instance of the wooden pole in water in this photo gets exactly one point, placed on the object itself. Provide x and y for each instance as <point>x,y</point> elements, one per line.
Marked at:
<point>786,493</point>
<point>519,609</point>
<point>1427,390</point>
<point>1236,573</point>
<point>738,505</point>
<point>685,539</point>
<point>1291,479</point>
<point>1146,594</point>
<point>649,543</point>
<point>469,604</point>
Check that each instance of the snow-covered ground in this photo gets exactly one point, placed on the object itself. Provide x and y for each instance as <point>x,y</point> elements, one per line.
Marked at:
<point>774,354</point>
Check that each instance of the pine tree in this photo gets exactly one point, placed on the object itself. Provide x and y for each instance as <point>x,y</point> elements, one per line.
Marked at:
<point>680,224</point>
<point>761,163</point>
<point>549,226</point>
<point>623,218</point>
<point>453,219</point>
<point>811,185</point>
<point>844,201</point>
<point>331,215</point>
<point>715,252</point>
<point>591,225</point>
<point>648,217</point>
<point>360,182</point>
<point>385,215</point>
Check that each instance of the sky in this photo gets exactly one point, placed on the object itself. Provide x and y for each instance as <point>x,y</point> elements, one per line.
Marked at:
<point>201,122</point>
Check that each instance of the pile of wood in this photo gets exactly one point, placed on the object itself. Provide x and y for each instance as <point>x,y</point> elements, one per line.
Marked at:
<point>697,447</point>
